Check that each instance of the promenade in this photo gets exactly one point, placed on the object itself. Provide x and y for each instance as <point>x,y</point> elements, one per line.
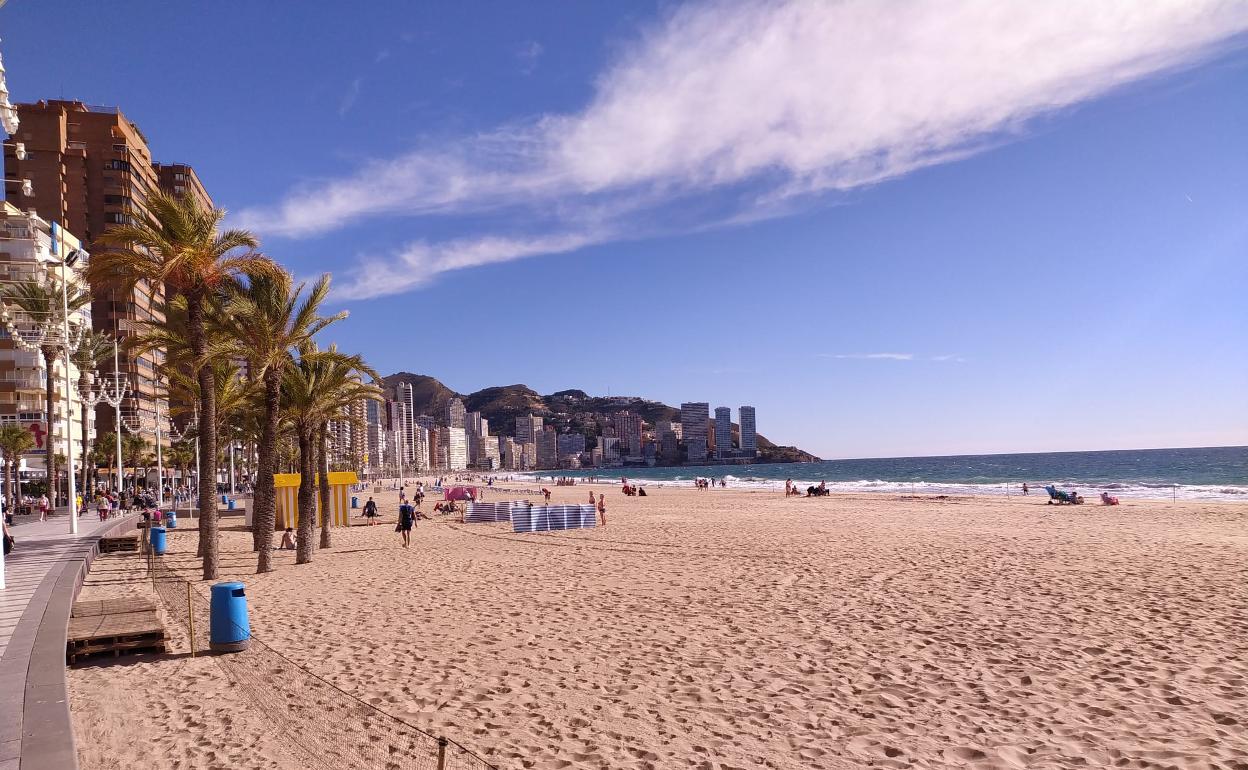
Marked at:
<point>42,575</point>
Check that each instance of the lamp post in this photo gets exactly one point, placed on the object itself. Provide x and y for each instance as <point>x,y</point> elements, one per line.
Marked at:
<point>72,496</point>
<point>111,393</point>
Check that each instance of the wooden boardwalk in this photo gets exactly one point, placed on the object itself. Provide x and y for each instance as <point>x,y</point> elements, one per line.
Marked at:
<point>113,627</point>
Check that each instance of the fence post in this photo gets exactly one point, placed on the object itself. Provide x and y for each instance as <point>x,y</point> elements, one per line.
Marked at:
<point>441,752</point>
<point>190,615</point>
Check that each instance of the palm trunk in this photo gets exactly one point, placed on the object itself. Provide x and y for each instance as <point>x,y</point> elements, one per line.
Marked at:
<point>323,474</point>
<point>208,532</point>
<point>307,495</point>
<point>49,462</point>
<point>265,498</point>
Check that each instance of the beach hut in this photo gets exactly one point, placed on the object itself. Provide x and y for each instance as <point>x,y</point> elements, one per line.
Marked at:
<point>339,499</point>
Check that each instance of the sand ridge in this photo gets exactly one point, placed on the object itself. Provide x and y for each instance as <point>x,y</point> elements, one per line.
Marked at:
<point>734,629</point>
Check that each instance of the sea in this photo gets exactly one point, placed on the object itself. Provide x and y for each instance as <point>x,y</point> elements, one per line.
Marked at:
<point>1210,473</point>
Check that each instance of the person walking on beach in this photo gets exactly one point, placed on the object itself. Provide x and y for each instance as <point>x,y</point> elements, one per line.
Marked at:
<point>370,511</point>
<point>546,494</point>
<point>406,521</point>
<point>1025,490</point>
<point>592,501</point>
<point>602,509</point>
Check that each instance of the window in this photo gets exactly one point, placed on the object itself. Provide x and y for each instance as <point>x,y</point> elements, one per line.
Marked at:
<point>119,165</point>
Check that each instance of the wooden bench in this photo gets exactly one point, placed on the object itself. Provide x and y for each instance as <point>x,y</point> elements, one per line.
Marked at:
<point>122,544</point>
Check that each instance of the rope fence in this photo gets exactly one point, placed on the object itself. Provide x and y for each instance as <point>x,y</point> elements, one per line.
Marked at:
<point>324,725</point>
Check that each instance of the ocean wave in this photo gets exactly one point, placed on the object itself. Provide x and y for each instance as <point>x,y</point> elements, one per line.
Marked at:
<point>1138,490</point>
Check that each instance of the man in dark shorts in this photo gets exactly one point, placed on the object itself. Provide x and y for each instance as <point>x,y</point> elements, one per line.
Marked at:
<point>407,520</point>
<point>370,511</point>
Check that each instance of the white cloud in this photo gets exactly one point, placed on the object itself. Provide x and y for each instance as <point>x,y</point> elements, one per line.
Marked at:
<point>871,356</point>
<point>418,262</point>
<point>528,54</point>
<point>349,96</point>
<point>732,111</point>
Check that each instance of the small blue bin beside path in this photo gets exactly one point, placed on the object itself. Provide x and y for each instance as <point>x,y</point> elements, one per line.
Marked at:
<point>171,519</point>
<point>158,540</point>
<point>355,502</point>
<point>229,629</point>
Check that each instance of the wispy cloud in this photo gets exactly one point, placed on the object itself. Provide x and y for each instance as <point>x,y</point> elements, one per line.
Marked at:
<point>737,111</point>
<point>349,96</point>
<point>871,356</point>
<point>381,56</point>
<point>529,53</point>
<point>948,357</point>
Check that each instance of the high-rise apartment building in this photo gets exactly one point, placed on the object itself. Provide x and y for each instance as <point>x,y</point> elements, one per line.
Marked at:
<point>375,434</point>
<point>547,448</point>
<point>456,449</point>
<point>90,169</point>
<point>694,416</point>
<point>455,413</point>
<point>527,429</point>
<point>628,429</point>
<point>749,434</point>
<point>27,245</point>
<point>723,431</point>
<point>422,453</point>
<point>570,445</point>
<point>409,423</point>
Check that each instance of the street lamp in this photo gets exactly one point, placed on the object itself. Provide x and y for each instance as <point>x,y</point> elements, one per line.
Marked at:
<point>65,265</point>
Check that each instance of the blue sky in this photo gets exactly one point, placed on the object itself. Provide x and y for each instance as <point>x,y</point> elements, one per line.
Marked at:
<point>895,228</point>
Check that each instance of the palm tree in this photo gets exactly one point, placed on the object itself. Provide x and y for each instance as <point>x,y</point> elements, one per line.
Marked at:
<point>41,300</point>
<point>133,448</point>
<point>318,388</point>
<point>14,441</point>
<point>179,245</point>
<point>269,319</point>
<point>93,350</point>
<point>105,453</point>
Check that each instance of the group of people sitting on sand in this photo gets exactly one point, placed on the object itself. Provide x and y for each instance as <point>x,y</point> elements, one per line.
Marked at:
<point>565,481</point>
<point>632,490</point>
<point>792,490</point>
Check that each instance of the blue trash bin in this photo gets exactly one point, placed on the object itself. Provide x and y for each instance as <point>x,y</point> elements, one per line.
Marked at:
<point>229,629</point>
<point>229,506</point>
<point>355,502</point>
<point>171,519</point>
<point>158,540</point>
<point>225,499</point>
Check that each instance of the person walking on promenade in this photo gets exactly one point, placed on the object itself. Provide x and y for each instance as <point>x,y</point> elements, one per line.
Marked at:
<point>602,509</point>
<point>43,507</point>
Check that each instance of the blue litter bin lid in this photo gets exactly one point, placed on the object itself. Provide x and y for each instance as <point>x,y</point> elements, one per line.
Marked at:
<point>227,588</point>
<point>162,529</point>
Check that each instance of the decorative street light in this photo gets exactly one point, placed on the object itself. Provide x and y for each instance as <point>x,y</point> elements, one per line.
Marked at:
<point>142,424</point>
<point>110,392</point>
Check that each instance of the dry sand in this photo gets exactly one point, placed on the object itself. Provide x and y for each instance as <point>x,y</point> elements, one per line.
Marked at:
<point>733,629</point>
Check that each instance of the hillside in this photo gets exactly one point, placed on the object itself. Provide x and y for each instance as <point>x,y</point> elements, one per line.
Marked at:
<point>575,410</point>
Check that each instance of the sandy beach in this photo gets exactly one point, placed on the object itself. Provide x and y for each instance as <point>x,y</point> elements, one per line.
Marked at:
<point>734,629</point>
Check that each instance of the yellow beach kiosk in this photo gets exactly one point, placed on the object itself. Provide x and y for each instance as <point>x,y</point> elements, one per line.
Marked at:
<point>339,499</point>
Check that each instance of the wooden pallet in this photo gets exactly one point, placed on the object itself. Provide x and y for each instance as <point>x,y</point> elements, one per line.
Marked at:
<point>111,606</point>
<point>115,634</point>
<point>123,544</point>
